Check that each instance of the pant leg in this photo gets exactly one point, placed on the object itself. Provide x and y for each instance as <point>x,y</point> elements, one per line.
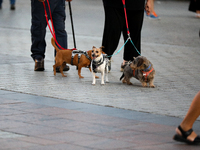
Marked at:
<point>59,16</point>
<point>135,22</point>
<point>12,2</point>
<point>112,29</point>
<point>1,2</point>
<point>38,30</point>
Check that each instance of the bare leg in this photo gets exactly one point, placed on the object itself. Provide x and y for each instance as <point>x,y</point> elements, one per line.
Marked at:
<point>191,116</point>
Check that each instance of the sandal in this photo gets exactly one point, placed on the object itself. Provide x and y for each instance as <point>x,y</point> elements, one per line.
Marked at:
<point>185,134</point>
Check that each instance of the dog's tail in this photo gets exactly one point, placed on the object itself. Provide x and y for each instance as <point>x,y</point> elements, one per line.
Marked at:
<point>122,76</point>
<point>54,44</point>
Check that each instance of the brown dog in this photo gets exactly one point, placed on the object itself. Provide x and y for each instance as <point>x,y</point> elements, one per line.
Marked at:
<point>140,68</point>
<point>65,56</point>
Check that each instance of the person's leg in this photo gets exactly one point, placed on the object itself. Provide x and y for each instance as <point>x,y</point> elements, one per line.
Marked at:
<point>12,4</point>
<point>198,8</point>
<point>59,16</point>
<point>191,116</point>
<point>1,3</point>
<point>112,30</point>
<point>135,22</point>
<point>38,30</point>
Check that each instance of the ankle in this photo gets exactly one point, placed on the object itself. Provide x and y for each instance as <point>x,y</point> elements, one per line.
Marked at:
<point>124,62</point>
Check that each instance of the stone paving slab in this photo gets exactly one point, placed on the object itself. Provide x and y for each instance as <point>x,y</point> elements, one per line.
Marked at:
<point>42,125</point>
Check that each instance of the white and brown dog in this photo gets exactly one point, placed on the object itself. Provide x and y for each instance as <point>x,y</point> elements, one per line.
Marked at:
<point>99,64</point>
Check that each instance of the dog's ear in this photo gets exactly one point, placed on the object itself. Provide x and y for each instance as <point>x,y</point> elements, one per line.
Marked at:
<point>101,47</point>
<point>93,47</point>
<point>133,58</point>
<point>140,62</point>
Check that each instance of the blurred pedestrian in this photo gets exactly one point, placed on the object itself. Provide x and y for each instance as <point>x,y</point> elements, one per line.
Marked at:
<point>38,29</point>
<point>12,4</point>
<point>194,6</point>
<point>115,24</point>
<point>184,132</point>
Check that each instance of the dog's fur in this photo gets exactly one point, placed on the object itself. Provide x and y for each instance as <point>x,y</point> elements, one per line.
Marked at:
<point>99,64</point>
<point>64,57</point>
<point>137,68</point>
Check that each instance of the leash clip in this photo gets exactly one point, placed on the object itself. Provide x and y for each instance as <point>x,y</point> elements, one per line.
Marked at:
<point>129,36</point>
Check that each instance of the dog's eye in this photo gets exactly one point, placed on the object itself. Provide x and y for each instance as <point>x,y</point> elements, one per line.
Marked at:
<point>92,51</point>
<point>97,52</point>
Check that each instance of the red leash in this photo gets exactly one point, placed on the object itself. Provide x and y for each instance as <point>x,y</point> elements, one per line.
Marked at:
<point>52,30</point>
<point>128,32</point>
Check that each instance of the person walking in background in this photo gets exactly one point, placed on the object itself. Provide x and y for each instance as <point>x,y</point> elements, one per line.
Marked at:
<point>152,14</point>
<point>12,4</point>
<point>38,29</point>
<point>194,6</point>
<point>115,24</point>
<point>184,132</point>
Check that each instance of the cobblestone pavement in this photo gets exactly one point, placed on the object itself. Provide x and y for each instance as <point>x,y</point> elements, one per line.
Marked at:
<point>171,44</point>
<point>49,105</point>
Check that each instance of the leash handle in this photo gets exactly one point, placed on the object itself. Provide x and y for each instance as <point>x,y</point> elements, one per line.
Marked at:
<point>51,30</point>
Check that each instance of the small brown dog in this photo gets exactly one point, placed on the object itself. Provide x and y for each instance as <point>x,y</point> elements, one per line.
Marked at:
<point>65,56</point>
<point>140,68</point>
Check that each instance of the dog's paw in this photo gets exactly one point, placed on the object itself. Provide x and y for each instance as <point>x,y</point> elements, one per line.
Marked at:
<point>102,83</point>
<point>152,86</point>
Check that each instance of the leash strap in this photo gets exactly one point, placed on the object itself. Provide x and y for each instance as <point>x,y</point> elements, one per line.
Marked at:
<point>51,30</point>
<point>128,33</point>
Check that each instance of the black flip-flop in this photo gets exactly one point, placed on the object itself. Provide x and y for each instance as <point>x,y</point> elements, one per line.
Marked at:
<point>183,137</point>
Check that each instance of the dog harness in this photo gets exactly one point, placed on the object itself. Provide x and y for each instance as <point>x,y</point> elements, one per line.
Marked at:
<point>146,73</point>
<point>79,52</point>
<point>96,64</point>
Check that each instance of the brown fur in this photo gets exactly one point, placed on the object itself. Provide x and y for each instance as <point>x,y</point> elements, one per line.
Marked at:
<point>63,57</point>
<point>138,65</point>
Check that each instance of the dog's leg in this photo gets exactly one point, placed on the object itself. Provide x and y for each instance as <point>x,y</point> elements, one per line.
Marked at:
<point>61,69</point>
<point>79,72</point>
<point>144,84</point>
<point>91,71</point>
<point>151,83</point>
<point>54,69</point>
<point>102,77</point>
<point>124,80</point>
<point>128,81</point>
<point>107,74</point>
<point>94,79</point>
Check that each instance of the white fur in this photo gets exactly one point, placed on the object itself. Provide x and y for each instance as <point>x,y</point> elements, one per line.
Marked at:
<point>103,69</point>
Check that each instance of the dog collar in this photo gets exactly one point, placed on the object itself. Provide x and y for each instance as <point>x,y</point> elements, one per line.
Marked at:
<point>147,68</point>
<point>96,64</point>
